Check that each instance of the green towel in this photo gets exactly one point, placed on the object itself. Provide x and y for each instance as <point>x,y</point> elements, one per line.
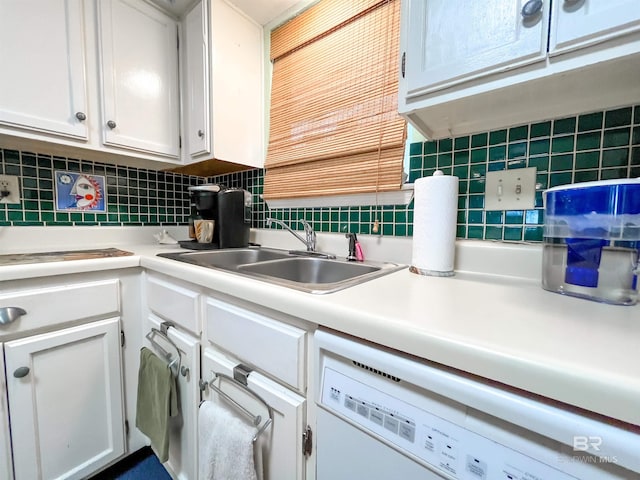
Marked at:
<point>157,401</point>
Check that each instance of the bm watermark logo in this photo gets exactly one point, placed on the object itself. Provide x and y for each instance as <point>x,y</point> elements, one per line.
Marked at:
<point>584,443</point>
<point>590,444</point>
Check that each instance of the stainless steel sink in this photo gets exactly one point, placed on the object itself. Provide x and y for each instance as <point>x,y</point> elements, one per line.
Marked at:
<point>309,270</point>
<point>307,273</point>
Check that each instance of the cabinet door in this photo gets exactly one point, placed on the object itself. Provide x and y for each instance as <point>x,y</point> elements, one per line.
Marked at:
<point>183,441</point>
<point>237,85</point>
<point>196,68</point>
<point>580,23</point>
<point>42,86</point>
<point>281,443</point>
<point>139,72</point>
<point>6,472</point>
<point>451,42</point>
<point>66,409</point>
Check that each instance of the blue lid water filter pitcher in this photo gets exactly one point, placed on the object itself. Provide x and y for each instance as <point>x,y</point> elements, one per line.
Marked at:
<point>592,240</point>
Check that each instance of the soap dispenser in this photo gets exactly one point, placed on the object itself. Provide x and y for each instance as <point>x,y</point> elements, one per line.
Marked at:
<point>351,257</point>
<point>355,250</point>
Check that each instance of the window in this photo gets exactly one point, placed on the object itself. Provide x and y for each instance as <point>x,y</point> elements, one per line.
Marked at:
<point>334,125</point>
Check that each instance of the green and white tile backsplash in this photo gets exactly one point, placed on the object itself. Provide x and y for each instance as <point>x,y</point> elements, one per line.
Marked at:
<point>592,146</point>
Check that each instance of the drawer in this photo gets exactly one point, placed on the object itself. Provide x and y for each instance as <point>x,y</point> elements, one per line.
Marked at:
<point>175,303</point>
<point>273,347</point>
<point>61,304</point>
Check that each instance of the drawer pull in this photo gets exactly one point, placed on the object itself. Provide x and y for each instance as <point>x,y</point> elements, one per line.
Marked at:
<point>10,314</point>
<point>21,372</point>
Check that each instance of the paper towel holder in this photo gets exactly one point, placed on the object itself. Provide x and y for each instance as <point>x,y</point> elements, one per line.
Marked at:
<point>434,232</point>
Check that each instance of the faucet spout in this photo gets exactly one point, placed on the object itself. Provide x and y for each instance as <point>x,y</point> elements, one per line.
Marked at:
<point>310,236</point>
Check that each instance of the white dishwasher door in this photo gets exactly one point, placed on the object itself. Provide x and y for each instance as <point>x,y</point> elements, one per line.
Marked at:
<point>384,416</point>
<point>347,453</point>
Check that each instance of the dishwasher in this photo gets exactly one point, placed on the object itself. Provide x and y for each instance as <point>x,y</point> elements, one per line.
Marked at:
<point>383,415</point>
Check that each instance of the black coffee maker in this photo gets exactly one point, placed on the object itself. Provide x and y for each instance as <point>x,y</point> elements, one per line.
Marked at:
<point>230,208</point>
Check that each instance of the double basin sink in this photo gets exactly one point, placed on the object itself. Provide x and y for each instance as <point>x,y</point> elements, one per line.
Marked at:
<point>304,271</point>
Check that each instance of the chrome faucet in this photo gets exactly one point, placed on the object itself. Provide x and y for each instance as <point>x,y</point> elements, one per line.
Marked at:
<point>309,241</point>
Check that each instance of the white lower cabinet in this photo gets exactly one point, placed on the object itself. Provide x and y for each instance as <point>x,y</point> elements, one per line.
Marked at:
<point>6,470</point>
<point>183,440</point>
<point>274,348</point>
<point>62,408</point>
<point>282,442</point>
<point>65,401</point>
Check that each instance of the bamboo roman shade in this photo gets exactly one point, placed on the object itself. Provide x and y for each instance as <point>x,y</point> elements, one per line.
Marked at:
<point>334,124</point>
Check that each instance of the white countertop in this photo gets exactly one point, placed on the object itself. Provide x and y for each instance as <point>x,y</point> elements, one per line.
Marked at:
<point>505,328</point>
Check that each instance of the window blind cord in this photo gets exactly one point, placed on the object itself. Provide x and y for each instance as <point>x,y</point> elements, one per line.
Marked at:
<point>387,45</point>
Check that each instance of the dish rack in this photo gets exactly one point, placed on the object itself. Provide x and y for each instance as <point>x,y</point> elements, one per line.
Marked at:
<point>241,373</point>
<point>173,361</point>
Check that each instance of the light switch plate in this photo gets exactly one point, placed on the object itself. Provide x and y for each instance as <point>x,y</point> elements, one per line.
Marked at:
<point>510,189</point>
<point>9,189</point>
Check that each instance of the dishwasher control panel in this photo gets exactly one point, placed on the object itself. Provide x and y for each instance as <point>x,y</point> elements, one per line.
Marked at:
<point>444,438</point>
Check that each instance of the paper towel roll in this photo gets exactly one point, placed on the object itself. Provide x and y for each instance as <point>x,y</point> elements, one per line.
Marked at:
<point>434,224</point>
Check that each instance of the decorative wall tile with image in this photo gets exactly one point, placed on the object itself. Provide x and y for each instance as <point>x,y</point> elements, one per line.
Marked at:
<point>79,192</point>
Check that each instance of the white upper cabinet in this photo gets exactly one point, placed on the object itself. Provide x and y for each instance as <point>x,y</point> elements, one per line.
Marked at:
<point>236,86</point>
<point>463,40</point>
<point>224,85</point>
<point>139,73</point>
<point>580,23</point>
<point>109,80</point>
<point>196,95</point>
<point>470,66</point>
<point>42,87</point>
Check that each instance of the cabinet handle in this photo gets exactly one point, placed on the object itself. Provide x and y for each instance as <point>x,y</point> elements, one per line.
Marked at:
<point>184,371</point>
<point>573,5</point>
<point>531,8</point>
<point>21,372</point>
<point>404,62</point>
<point>10,314</point>
<point>81,116</point>
<point>111,124</point>
<point>200,133</point>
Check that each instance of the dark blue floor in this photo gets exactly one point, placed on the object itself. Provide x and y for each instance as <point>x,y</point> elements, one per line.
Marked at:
<point>141,465</point>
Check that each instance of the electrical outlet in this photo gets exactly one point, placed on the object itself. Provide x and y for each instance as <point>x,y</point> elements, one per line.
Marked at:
<point>510,189</point>
<point>9,189</point>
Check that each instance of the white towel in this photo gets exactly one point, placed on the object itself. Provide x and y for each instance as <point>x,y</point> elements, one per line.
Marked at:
<point>225,444</point>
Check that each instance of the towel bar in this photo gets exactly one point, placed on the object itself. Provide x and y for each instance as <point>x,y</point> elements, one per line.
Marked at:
<point>168,357</point>
<point>256,419</point>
